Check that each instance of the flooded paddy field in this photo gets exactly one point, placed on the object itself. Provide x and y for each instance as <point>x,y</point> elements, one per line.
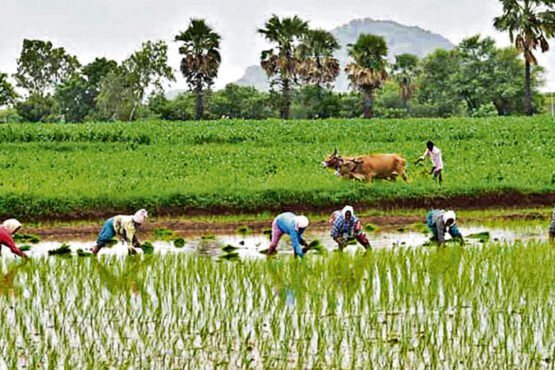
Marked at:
<point>487,304</point>
<point>248,244</point>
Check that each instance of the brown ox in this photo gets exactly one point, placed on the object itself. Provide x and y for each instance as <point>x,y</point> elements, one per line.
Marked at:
<point>368,167</point>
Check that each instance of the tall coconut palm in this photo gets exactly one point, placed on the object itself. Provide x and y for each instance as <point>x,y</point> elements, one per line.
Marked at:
<point>530,24</point>
<point>405,72</point>
<point>317,65</point>
<point>281,64</point>
<point>201,59</point>
<point>367,72</point>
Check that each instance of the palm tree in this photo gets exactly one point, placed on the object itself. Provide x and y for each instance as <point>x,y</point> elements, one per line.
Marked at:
<point>281,64</point>
<point>405,71</point>
<point>201,59</point>
<point>317,64</point>
<point>530,24</point>
<point>368,70</point>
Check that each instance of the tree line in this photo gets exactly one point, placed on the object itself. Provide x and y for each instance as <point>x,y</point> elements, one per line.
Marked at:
<point>476,78</point>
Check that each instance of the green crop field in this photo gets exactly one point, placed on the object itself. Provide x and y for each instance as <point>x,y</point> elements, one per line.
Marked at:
<point>473,308</point>
<point>239,166</point>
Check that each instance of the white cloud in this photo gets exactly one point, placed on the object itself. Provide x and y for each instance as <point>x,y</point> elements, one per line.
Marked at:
<point>114,28</point>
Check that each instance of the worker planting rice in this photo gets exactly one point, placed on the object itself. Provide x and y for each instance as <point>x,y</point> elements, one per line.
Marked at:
<point>345,226</point>
<point>124,227</point>
<point>292,225</point>
<point>7,230</point>
<point>441,222</point>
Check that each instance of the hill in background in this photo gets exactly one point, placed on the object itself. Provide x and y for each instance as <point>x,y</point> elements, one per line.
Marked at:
<point>400,39</point>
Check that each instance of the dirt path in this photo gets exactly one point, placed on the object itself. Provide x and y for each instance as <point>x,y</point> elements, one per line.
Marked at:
<point>504,199</point>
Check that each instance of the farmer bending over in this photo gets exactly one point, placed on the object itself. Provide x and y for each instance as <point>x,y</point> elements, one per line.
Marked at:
<point>434,153</point>
<point>7,229</point>
<point>439,222</point>
<point>346,226</point>
<point>294,226</point>
<point>123,226</point>
<point>552,228</point>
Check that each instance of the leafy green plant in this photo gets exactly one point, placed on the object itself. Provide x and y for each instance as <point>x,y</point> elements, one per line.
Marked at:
<point>179,242</point>
<point>61,250</point>
<point>26,238</point>
<point>248,166</point>
<point>163,233</point>
<point>147,247</point>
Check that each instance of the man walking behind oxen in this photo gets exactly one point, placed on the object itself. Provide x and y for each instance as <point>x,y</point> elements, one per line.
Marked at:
<point>434,153</point>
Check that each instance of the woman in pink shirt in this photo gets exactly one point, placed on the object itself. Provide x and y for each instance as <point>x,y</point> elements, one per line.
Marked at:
<point>434,153</point>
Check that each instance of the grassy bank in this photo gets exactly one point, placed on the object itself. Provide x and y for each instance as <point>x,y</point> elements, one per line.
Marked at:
<point>484,307</point>
<point>235,166</point>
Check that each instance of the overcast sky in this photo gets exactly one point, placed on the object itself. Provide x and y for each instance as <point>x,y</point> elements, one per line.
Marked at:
<point>115,28</point>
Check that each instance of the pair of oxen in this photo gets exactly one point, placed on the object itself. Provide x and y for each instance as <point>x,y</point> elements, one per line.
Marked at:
<point>368,167</point>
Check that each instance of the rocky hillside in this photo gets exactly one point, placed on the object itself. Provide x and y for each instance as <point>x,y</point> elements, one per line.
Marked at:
<point>400,39</point>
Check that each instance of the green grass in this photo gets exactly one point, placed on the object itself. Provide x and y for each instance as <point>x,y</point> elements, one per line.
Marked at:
<point>489,307</point>
<point>245,166</point>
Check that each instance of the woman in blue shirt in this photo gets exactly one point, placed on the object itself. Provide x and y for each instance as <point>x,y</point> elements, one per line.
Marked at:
<point>292,225</point>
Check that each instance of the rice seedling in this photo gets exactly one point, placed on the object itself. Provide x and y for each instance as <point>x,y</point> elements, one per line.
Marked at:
<point>179,242</point>
<point>486,306</point>
<point>370,228</point>
<point>229,248</point>
<point>243,230</point>
<point>61,250</point>
<point>230,256</point>
<point>26,238</point>
<point>482,236</point>
<point>163,234</point>
<point>82,253</point>
<point>147,247</point>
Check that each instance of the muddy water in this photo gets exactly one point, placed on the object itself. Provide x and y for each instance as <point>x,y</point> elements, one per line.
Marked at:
<point>250,246</point>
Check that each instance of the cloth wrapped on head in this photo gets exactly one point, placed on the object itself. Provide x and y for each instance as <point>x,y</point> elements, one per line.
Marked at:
<point>449,215</point>
<point>11,225</point>
<point>301,222</point>
<point>140,216</point>
<point>348,209</point>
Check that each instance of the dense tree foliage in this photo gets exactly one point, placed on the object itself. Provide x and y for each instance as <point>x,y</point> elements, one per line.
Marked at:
<point>368,70</point>
<point>7,91</point>
<point>405,72</point>
<point>476,78</point>
<point>41,67</point>
<point>201,59</point>
<point>123,90</point>
<point>530,23</point>
<point>77,96</point>
<point>281,64</point>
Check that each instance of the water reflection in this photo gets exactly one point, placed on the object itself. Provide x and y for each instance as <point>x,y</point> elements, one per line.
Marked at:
<point>250,246</point>
<point>8,286</point>
<point>130,276</point>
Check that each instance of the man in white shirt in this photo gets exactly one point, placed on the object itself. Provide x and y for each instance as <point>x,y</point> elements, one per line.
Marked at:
<point>434,153</point>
